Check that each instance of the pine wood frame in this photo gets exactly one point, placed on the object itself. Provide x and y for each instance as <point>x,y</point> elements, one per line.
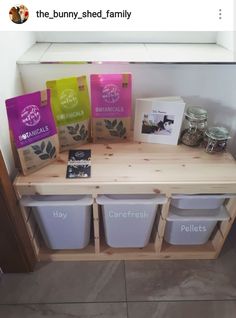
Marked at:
<point>137,168</point>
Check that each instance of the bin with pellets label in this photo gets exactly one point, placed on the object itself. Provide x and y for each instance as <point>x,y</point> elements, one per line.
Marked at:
<point>192,227</point>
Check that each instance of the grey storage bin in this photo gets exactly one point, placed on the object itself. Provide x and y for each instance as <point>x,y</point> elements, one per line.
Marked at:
<point>128,219</point>
<point>192,227</point>
<point>200,201</point>
<point>64,221</point>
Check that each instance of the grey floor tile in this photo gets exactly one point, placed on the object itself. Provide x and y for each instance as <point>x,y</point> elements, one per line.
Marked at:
<point>91,310</point>
<point>203,309</point>
<point>180,280</point>
<point>66,282</point>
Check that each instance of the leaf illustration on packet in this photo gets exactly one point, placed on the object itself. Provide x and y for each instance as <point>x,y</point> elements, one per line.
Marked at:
<point>39,150</point>
<point>115,129</point>
<point>78,133</point>
<point>79,164</point>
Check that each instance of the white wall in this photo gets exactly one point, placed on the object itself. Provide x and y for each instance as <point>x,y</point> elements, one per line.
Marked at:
<point>226,39</point>
<point>13,45</point>
<point>208,86</point>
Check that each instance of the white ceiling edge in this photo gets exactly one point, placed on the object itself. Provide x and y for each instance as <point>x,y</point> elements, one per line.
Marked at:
<point>128,37</point>
<point>126,52</point>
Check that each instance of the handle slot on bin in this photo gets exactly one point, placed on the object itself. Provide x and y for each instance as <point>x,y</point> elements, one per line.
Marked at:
<point>130,199</point>
<point>53,200</point>
<point>199,201</point>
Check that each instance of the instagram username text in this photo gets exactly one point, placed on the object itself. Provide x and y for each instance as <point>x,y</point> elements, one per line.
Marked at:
<point>101,14</point>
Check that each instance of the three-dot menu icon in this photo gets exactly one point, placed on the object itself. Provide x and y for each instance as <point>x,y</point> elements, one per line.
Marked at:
<point>220,14</point>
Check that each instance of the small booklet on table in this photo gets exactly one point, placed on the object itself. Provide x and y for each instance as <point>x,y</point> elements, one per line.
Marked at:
<point>79,164</point>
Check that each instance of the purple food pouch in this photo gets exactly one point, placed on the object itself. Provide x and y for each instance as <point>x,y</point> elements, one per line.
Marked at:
<point>111,106</point>
<point>33,130</point>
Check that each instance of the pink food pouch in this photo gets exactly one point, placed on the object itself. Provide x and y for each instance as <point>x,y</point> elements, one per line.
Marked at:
<point>33,131</point>
<point>111,107</point>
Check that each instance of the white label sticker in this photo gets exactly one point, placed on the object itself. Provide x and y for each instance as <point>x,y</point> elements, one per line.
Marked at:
<point>59,215</point>
<point>193,228</point>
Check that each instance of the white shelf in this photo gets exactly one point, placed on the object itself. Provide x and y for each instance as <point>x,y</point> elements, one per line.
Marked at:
<point>198,53</point>
<point>126,53</point>
<point>34,54</point>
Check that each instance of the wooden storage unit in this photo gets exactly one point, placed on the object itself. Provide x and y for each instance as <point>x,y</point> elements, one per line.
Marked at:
<point>133,168</point>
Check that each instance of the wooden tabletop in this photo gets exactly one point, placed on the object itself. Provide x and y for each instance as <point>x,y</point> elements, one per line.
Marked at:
<point>137,167</point>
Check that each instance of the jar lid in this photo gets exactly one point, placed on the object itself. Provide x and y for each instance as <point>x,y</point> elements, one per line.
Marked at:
<point>218,133</point>
<point>196,113</point>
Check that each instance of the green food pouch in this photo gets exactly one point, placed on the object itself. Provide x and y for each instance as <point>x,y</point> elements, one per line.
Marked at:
<point>71,110</point>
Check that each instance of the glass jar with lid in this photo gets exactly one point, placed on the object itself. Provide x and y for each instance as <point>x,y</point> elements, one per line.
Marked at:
<point>195,126</point>
<point>216,139</point>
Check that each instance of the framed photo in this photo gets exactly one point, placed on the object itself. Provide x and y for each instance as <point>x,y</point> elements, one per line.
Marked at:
<point>158,120</point>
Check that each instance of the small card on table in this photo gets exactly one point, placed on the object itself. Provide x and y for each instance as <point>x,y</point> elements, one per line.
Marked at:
<point>79,164</point>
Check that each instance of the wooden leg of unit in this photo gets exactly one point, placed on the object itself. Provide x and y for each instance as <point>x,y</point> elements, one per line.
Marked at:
<point>31,227</point>
<point>96,227</point>
<point>225,226</point>
<point>158,243</point>
<point>165,209</point>
<point>36,241</point>
<point>161,226</point>
<point>231,207</point>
